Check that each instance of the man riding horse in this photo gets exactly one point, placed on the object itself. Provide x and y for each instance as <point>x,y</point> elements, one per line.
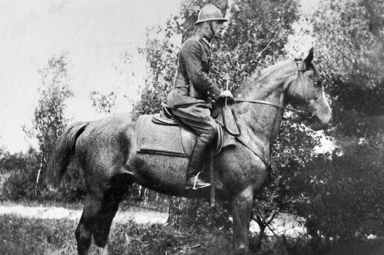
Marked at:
<point>194,92</point>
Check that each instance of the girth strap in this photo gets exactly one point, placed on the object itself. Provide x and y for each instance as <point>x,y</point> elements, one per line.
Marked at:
<point>267,164</point>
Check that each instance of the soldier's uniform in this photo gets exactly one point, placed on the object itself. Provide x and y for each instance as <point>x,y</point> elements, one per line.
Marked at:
<point>193,92</point>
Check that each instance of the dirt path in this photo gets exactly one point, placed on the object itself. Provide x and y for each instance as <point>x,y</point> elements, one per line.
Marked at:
<point>42,212</point>
<point>284,224</point>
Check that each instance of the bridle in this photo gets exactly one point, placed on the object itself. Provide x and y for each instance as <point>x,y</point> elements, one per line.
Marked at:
<point>300,72</point>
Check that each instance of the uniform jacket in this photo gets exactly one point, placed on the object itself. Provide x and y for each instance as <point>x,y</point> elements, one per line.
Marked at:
<point>192,84</point>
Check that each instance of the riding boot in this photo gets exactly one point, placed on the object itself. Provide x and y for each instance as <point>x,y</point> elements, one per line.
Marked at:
<point>195,166</point>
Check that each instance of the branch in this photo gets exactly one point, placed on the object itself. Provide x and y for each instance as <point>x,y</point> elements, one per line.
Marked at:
<point>278,240</point>
<point>269,43</point>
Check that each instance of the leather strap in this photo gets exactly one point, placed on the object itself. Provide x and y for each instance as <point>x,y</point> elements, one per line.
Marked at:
<point>269,103</point>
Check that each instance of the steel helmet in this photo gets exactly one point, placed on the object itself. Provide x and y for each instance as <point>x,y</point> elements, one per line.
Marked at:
<point>210,12</point>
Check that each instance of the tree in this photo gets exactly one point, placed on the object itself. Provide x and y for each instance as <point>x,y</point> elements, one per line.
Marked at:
<point>49,120</point>
<point>103,103</point>
<point>349,37</point>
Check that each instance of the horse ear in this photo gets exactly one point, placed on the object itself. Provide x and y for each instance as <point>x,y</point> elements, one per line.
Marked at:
<point>308,59</point>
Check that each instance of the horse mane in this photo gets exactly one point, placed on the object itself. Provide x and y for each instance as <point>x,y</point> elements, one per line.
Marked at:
<point>260,77</point>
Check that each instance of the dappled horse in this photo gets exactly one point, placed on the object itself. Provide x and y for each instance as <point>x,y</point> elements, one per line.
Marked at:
<point>108,153</point>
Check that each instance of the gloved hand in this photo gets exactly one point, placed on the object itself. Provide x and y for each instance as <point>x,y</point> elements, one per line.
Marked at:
<point>226,97</point>
<point>226,94</point>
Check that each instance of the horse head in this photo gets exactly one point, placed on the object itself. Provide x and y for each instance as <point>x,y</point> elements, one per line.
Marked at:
<point>306,94</point>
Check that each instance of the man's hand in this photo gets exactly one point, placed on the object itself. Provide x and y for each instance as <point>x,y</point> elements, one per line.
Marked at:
<point>226,97</point>
<point>226,94</point>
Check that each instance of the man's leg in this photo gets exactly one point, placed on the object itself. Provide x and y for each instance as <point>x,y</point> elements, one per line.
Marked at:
<point>199,120</point>
<point>195,166</point>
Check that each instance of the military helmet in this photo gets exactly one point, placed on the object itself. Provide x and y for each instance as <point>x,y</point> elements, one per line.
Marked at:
<point>210,12</point>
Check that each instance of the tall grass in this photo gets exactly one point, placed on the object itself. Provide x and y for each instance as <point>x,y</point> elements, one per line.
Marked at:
<point>37,236</point>
<point>20,236</point>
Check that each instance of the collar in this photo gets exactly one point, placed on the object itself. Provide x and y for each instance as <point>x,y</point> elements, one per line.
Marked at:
<point>206,41</point>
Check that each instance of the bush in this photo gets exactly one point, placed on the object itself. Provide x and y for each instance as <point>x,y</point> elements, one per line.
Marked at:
<point>22,170</point>
<point>20,185</point>
<point>197,214</point>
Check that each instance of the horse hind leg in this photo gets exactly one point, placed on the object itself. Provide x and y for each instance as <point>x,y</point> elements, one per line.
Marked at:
<point>99,210</point>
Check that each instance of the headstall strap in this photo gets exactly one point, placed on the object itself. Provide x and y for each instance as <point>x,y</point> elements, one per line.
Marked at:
<point>300,69</point>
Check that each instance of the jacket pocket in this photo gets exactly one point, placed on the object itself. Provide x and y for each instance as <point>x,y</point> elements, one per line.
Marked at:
<point>181,86</point>
<point>205,61</point>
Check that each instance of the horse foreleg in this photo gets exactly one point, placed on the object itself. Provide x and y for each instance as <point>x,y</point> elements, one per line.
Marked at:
<point>241,213</point>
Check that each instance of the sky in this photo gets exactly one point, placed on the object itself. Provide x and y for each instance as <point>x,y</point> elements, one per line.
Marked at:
<point>94,33</point>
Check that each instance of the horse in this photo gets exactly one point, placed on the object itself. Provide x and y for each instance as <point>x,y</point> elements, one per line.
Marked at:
<point>108,156</point>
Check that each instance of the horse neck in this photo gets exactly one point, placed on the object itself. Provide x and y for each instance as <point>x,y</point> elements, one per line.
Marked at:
<point>265,120</point>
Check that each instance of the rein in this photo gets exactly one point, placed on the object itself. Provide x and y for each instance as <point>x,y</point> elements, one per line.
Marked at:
<point>306,113</point>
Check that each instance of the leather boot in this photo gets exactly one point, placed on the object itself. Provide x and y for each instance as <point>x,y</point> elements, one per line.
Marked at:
<point>195,166</point>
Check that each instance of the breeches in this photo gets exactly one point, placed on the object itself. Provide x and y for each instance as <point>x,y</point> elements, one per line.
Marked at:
<point>198,118</point>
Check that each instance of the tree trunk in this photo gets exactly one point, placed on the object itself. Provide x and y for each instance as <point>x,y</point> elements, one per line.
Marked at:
<point>178,208</point>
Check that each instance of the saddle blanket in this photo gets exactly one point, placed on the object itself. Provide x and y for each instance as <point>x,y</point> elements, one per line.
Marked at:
<point>170,138</point>
<point>158,139</point>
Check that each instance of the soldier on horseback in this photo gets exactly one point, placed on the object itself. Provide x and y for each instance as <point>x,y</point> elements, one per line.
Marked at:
<point>194,92</point>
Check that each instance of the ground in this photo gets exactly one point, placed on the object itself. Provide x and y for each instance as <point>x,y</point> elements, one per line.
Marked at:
<point>141,216</point>
<point>49,230</point>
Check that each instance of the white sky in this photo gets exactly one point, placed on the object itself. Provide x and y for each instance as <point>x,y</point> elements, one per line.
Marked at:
<point>94,33</point>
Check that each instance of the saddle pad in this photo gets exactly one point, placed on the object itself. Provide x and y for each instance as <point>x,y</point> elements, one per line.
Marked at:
<point>158,139</point>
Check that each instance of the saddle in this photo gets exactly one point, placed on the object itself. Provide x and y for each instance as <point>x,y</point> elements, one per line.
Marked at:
<point>165,135</point>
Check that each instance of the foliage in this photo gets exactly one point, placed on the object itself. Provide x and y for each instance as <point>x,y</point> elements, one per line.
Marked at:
<point>342,192</point>
<point>160,54</point>
<point>352,188</point>
<point>255,38</point>
<point>103,103</point>
<point>22,169</point>
<point>352,55</point>
<point>49,121</point>
<point>198,214</point>
<point>27,169</point>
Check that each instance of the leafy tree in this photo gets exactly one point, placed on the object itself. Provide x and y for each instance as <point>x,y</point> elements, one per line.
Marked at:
<point>343,192</point>
<point>49,120</point>
<point>255,38</point>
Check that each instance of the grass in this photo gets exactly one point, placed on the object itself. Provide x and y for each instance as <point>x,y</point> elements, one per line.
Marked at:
<point>37,236</point>
<point>19,236</point>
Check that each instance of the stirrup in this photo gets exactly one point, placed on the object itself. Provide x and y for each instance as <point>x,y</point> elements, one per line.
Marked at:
<point>195,183</point>
<point>196,178</point>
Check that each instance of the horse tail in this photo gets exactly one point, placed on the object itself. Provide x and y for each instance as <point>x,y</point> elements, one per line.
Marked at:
<point>63,153</point>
